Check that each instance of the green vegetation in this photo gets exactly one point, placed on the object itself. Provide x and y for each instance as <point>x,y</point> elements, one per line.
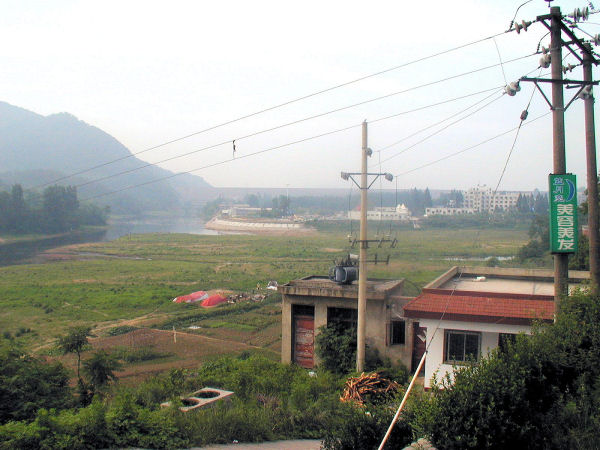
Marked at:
<point>28,383</point>
<point>271,401</point>
<point>56,210</point>
<point>336,347</point>
<point>139,275</point>
<point>139,354</point>
<point>120,288</point>
<point>542,392</point>
<point>119,330</point>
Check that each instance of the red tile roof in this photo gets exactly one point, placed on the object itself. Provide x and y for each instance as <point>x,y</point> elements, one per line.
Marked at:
<point>464,306</point>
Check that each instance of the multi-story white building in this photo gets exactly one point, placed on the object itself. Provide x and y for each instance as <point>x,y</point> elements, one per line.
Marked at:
<point>483,198</point>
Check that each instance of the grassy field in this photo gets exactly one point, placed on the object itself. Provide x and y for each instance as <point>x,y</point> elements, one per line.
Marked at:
<point>131,281</point>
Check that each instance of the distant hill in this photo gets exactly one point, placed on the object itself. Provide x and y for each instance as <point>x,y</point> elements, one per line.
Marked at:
<point>36,149</point>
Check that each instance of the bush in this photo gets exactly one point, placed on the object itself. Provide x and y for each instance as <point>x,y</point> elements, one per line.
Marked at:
<point>543,391</point>
<point>358,428</point>
<point>121,329</point>
<point>336,347</point>
<point>27,384</point>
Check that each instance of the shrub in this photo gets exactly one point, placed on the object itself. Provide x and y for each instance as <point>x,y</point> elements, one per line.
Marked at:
<point>543,391</point>
<point>27,384</point>
<point>121,329</point>
<point>336,347</point>
<point>358,428</point>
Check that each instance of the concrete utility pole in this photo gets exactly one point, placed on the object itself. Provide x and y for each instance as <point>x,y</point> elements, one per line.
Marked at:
<point>592,174</point>
<point>362,262</point>
<point>364,186</point>
<point>561,260</point>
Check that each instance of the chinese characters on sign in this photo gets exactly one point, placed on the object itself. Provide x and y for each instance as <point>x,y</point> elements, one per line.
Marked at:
<point>563,213</point>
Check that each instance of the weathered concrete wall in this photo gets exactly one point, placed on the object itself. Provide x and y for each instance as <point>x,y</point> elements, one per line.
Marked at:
<point>379,315</point>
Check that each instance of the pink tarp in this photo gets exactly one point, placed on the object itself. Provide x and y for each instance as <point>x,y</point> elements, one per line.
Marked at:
<point>191,298</point>
<point>214,300</point>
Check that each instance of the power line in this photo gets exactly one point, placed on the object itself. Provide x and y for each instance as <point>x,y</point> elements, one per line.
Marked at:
<point>289,102</point>
<point>279,146</point>
<point>295,142</point>
<point>469,148</point>
<point>403,91</point>
<point>225,161</point>
<point>523,117</point>
<point>444,128</point>
<point>436,123</point>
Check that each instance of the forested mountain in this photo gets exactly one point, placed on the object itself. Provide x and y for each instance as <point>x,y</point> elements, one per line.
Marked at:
<point>36,149</point>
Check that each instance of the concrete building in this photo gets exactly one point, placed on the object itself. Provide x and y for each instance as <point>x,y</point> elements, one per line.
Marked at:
<point>468,311</point>
<point>312,302</point>
<point>399,213</point>
<point>482,198</point>
<point>244,211</point>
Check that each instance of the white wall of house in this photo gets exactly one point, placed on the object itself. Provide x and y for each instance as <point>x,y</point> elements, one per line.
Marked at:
<point>434,363</point>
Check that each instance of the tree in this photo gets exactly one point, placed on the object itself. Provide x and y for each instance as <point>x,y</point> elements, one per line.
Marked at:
<point>100,369</point>
<point>27,384</point>
<point>282,205</point>
<point>60,206</point>
<point>253,200</point>
<point>75,341</point>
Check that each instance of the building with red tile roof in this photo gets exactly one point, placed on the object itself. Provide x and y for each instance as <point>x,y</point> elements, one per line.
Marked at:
<point>468,311</point>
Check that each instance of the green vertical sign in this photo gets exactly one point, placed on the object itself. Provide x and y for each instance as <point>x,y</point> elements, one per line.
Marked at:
<point>563,213</point>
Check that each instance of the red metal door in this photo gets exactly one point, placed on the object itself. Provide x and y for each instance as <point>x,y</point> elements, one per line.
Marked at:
<point>304,337</point>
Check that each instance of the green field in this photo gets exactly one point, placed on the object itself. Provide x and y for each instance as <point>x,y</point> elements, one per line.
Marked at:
<point>106,284</point>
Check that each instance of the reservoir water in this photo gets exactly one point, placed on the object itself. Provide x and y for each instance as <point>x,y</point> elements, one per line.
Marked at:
<point>20,252</point>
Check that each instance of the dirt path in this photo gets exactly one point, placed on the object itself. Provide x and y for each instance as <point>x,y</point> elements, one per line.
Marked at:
<point>208,338</point>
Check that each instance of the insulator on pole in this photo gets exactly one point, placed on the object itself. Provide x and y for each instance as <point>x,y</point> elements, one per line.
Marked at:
<point>545,61</point>
<point>586,92</point>
<point>522,26</point>
<point>512,88</point>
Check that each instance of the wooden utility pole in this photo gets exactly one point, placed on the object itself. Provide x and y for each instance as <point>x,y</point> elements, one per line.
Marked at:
<point>362,262</point>
<point>561,260</point>
<point>592,174</point>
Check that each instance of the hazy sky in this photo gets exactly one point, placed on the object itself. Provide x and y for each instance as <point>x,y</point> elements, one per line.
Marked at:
<point>147,72</point>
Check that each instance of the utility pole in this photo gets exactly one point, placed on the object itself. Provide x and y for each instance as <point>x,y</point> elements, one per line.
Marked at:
<point>362,261</point>
<point>592,173</point>
<point>364,245</point>
<point>555,25</point>
<point>561,260</point>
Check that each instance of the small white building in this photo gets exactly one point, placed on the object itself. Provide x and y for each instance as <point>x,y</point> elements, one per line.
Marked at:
<point>244,211</point>
<point>399,213</point>
<point>468,311</point>
<point>448,211</point>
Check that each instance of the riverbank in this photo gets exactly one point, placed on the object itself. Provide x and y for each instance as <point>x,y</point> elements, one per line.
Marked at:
<point>258,226</point>
<point>21,249</point>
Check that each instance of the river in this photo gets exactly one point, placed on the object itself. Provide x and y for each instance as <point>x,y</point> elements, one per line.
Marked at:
<point>20,252</point>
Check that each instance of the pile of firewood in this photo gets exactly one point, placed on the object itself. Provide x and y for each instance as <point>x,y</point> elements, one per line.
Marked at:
<point>370,386</point>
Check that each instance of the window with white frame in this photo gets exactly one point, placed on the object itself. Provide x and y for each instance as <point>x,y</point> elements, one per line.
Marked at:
<point>461,346</point>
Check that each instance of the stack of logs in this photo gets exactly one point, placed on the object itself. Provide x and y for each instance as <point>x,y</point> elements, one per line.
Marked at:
<point>370,386</point>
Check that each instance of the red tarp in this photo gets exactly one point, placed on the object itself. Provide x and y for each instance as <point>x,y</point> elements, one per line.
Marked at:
<point>214,300</point>
<point>191,298</point>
